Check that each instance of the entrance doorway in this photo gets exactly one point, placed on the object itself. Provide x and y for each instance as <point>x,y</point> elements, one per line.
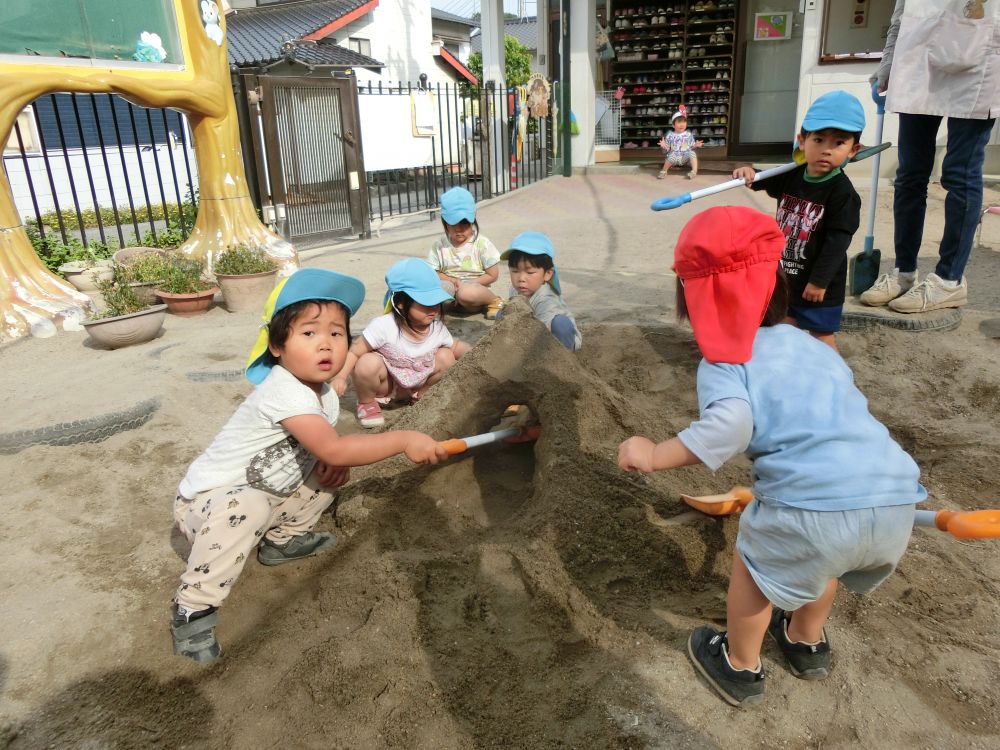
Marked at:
<point>768,89</point>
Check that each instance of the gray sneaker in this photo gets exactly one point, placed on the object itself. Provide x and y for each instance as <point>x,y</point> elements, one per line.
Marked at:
<point>886,288</point>
<point>931,294</point>
<point>308,544</point>
<point>194,636</point>
<point>708,650</point>
<point>808,661</point>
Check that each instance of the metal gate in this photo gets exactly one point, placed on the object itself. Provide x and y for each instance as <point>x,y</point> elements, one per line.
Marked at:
<point>312,163</point>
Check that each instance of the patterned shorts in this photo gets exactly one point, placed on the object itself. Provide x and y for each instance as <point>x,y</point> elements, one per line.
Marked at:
<point>677,158</point>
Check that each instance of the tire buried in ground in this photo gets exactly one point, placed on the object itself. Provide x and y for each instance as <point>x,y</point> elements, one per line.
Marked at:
<point>90,430</point>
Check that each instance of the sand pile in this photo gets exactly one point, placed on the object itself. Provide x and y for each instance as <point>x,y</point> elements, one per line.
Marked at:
<point>513,597</point>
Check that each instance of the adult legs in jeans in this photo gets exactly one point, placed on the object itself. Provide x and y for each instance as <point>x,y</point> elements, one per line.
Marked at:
<point>917,134</point>
<point>961,176</point>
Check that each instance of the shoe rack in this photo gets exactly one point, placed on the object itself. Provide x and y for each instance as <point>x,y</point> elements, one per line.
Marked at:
<point>670,53</point>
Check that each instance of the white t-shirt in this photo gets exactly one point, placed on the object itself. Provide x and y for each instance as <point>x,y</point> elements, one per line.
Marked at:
<point>409,362</point>
<point>254,449</point>
<point>468,261</point>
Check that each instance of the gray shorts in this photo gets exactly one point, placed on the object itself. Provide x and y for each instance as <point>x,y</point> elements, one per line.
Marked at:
<point>793,554</point>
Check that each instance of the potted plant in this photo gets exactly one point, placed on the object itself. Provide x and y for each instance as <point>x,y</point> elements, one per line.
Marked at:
<point>128,255</point>
<point>126,319</point>
<point>246,276</point>
<point>183,288</point>
<point>144,272</point>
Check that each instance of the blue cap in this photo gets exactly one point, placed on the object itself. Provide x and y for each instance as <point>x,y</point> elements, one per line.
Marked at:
<point>835,109</point>
<point>417,279</point>
<point>535,243</point>
<point>304,284</point>
<point>458,204</point>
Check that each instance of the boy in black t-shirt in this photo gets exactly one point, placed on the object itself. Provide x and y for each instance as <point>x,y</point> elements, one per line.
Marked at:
<point>818,211</point>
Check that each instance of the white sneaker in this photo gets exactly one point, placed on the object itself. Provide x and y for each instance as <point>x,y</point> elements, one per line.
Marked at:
<point>931,294</point>
<point>886,288</point>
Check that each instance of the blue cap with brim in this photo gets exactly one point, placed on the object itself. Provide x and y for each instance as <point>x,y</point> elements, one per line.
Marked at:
<point>535,243</point>
<point>835,109</point>
<point>304,284</point>
<point>458,205</point>
<point>417,279</point>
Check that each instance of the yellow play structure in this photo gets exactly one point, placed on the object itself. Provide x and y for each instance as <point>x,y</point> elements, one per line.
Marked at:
<point>155,53</point>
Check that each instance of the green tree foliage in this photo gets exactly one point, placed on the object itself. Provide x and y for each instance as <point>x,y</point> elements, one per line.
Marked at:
<point>517,62</point>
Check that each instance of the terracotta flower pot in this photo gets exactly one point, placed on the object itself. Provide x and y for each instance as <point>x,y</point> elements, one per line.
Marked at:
<point>125,330</point>
<point>188,304</point>
<point>246,292</point>
<point>84,275</point>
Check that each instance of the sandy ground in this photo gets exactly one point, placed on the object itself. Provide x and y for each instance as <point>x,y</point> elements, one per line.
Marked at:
<point>516,597</point>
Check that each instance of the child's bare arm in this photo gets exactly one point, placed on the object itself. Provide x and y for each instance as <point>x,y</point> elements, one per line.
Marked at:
<point>746,174</point>
<point>359,347</point>
<point>490,275</point>
<point>319,437</point>
<point>642,454</point>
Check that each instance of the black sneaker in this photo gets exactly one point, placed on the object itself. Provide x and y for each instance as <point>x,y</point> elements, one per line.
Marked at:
<point>308,544</point>
<point>808,661</point>
<point>708,649</point>
<point>194,637</point>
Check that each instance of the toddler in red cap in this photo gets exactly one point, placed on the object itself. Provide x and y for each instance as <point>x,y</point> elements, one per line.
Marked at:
<point>833,493</point>
<point>818,212</point>
<point>270,472</point>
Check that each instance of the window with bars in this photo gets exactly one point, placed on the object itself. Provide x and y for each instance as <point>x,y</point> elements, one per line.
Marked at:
<point>361,46</point>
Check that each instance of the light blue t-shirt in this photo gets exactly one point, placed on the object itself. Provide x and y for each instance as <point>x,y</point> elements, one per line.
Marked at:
<point>814,444</point>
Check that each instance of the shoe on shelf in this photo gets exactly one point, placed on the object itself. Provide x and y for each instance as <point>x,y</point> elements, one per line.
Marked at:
<point>808,661</point>
<point>370,415</point>
<point>886,288</point>
<point>194,634</point>
<point>298,547</point>
<point>708,650</point>
<point>933,293</point>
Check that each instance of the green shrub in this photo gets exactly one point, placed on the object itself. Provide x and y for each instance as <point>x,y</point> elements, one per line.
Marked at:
<point>145,268</point>
<point>119,297</point>
<point>182,275</point>
<point>53,252</point>
<point>236,261</point>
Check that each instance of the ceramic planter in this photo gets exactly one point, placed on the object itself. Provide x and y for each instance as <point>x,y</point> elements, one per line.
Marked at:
<point>125,330</point>
<point>145,291</point>
<point>127,254</point>
<point>246,292</point>
<point>85,275</point>
<point>188,304</point>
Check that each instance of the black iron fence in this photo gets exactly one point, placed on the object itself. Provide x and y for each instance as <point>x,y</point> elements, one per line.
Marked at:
<point>476,139</point>
<point>94,168</point>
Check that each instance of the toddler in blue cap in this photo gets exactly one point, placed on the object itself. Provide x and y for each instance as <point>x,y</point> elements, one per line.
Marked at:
<point>533,275</point>
<point>818,212</point>
<point>401,354</point>
<point>270,472</point>
<point>466,262</point>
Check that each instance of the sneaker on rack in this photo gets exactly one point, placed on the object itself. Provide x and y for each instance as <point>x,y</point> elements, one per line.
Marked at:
<point>933,293</point>
<point>886,288</point>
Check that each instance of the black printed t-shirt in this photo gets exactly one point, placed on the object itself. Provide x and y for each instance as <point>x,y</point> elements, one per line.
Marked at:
<point>818,219</point>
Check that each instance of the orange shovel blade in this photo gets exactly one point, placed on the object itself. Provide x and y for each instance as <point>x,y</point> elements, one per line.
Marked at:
<point>726,504</point>
<point>976,524</point>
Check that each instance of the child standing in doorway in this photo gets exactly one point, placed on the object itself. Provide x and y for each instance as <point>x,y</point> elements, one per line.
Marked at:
<point>833,493</point>
<point>401,354</point>
<point>818,211</point>
<point>270,472</point>
<point>678,146</point>
<point>467,263</point>
<point>533,275</point>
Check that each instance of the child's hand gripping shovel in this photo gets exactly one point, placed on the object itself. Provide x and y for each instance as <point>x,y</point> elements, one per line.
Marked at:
<point>677,201</point>
<point>863,269</point>
<point>523,428</point>
<point>976,524</point>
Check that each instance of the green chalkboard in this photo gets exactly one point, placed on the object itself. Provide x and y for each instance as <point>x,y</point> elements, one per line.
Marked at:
<point>91,29</point>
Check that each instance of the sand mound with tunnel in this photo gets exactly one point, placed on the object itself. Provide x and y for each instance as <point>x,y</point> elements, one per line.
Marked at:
<point>515,596</point>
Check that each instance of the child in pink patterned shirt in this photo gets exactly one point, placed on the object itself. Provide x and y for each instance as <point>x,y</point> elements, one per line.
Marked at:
<point>401,354</point>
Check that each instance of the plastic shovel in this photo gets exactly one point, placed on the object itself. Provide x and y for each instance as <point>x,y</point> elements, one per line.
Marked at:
<point>664,204</point>
<point>975,524</point>
<point>863,268</point>
<point>510,435</point>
